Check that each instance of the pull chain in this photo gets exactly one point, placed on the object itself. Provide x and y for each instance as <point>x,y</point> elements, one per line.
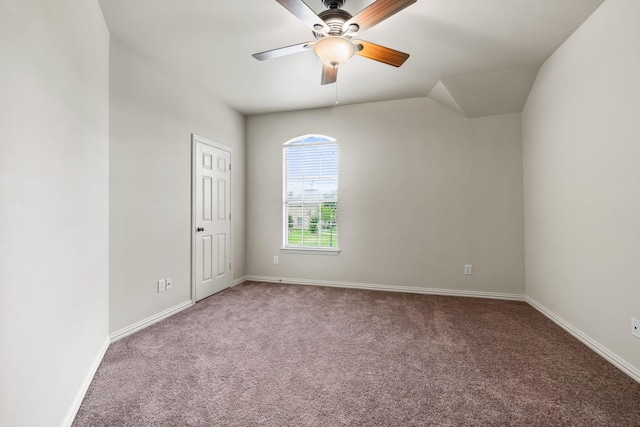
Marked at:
<point>336,92</point>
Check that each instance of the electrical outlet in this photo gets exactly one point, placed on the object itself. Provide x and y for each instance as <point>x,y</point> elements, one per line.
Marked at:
<point>169,283</point>
<point>467,269</point>
<point>635,327</point>
<point>275,260</point>
<point>162,285</point>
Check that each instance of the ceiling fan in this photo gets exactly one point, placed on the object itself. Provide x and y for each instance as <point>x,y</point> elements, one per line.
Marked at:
<point>336,32</point>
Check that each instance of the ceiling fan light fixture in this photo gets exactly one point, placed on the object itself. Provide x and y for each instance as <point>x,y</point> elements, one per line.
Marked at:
<point>334,51</point>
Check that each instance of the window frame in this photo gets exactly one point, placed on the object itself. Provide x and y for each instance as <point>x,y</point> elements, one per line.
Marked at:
<point>307,250</point>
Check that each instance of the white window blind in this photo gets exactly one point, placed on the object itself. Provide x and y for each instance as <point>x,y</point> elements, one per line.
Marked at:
<point>311,192</point>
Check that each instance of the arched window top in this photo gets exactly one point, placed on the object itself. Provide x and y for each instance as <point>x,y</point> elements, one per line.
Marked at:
<point>309,139</point>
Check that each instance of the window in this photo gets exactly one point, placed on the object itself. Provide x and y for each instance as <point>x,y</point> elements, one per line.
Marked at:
<point>311,193</point>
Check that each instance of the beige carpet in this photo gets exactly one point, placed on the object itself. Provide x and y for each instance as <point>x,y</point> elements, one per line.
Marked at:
<point>286,355</point>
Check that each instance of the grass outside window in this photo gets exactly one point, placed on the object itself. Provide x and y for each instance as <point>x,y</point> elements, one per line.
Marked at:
<point>326,238</point>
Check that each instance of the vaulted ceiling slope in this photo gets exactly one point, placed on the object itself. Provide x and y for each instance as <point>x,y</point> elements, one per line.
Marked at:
<point>476,57</point>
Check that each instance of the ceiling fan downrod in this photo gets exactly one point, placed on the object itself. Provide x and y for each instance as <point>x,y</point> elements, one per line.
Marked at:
<point>333,4</point>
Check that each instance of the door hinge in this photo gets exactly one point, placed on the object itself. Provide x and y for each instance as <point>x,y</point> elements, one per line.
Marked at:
<point>229,166</point>
<point>229,266</point>
<point>229,216</point>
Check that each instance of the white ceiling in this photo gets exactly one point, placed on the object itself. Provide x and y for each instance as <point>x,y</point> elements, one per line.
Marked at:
<point>477,57</point>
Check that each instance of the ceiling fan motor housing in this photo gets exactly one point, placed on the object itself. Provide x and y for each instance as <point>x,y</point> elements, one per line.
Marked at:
<point>334,18</point>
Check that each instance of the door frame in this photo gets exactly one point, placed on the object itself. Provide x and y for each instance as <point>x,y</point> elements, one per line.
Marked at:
<point>195,139</point>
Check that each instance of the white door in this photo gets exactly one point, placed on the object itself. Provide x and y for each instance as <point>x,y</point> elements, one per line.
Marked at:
<point>212,219</point>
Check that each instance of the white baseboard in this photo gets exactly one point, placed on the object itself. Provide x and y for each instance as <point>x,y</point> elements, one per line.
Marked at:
<point>239,280</point>
<point>391,288</point>
<point>75,406</point>
<point>149,321</point>
<point>594,345</point>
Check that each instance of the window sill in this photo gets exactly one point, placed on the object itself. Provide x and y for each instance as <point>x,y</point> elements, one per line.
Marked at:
<point>311,251</point>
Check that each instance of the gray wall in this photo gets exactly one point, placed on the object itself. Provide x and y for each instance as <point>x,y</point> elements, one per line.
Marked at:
<point>153,113</point>
<point>54,178</point>
<point>422,191</point>
<point>582,181</point>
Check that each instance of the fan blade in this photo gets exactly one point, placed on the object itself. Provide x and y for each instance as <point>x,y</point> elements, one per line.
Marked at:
<point>375,13</point>
<point>304,13</point>
<point>329,74</point>
<point>380,53</point>
<point>283,51</point>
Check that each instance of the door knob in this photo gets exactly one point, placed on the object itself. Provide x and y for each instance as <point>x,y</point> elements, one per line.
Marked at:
<point>199,229</point>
